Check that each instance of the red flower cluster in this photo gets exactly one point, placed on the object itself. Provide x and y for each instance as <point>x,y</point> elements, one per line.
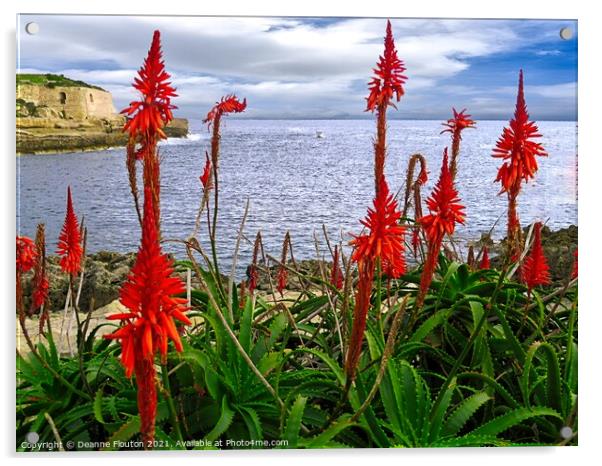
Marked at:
<point>336,275</point>
<point>282,279</point>
<point>457,124</point>
<point>534,270</point>
<point>516,148</point>
<point>40,277</point>
<point>485,262</point>
<point>444,206</point>
<point>26,254</point>
<point>148,294</point>
<point>252,272</point>
<point>69,246</point>
<point>389,78</point>
<point>446,211</point>
<point>227,104</point>
<point>384,240</point>
<point>40,291</point>
<point>153,111</point>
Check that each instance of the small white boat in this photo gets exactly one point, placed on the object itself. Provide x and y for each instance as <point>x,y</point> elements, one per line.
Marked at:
<point>320,134</point>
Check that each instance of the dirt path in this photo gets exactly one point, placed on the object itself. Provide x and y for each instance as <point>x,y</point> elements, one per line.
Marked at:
<point>56,319</point>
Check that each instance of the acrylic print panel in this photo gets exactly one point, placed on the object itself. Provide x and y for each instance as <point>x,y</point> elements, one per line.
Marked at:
<point>271,232</point>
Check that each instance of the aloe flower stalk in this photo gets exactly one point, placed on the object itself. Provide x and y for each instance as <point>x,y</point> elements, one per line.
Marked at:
<point>227,104</point>
<point>518,151</point>
<point>252,273</point>
<point>148,325</point>
<point>360,315</point>
<point>282,276</point>
<point>411,184</point>
<point>387,83</point>
<point>470,260</point>
<point>455,126</point>
<point>70,241</point>
<point>40,283</point>
<point>381,245</point>
<point>445,211</point>
<point>336,275</point>
<point>149,115</point>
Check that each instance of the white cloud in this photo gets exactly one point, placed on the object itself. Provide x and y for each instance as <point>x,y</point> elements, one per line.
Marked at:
<point>300,64</point>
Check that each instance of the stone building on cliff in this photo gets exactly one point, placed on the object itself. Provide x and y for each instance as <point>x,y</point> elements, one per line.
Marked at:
<point>78,103</point>
<point>56,95</point>
<point>58,114</point>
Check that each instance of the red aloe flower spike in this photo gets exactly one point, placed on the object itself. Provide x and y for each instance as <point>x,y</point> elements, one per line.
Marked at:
<point>516,148</point>
<point>485,263</point>
<point>455,126</point>
<point>534,270</point>
<point>444,206</point>
<point>205,177</point>
<point>149,115</point>
<point>26,254</point>
<point>252,274</point>
<point>336,275</point>
<point>470,260</point>
<point>415,240</point>
<point>445,211</point>
<point>575,271</point>
<point>389,78</point>
<point>384,240</point>
<point>227,104</point>
<point>152,112</point>
<point>40,277</point>
<point>69,246</point>
<point>148,293</point>
<point>253,279</point>
<point>282,277</point>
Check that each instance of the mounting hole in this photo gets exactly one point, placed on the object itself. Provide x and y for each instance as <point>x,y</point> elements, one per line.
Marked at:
<point>566,432</point>
<point>32,28</point>
<point>566,33</point>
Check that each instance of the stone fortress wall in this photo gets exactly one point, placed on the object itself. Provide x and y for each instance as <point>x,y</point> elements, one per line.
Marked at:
<point>79,103</point>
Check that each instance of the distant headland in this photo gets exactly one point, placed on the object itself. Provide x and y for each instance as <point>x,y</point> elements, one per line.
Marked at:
<point>58,114</point>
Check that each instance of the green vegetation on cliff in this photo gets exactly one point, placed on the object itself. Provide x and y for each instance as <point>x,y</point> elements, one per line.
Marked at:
<point>51,80</point>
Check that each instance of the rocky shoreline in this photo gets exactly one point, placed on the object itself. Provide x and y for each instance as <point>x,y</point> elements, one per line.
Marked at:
<point>105,271</point>
<point>55,135</point>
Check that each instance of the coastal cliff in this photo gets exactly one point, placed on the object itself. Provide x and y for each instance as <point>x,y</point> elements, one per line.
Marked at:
<point>57,114</point>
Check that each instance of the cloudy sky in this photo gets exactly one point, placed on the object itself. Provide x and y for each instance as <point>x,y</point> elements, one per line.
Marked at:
<point>317,67</point>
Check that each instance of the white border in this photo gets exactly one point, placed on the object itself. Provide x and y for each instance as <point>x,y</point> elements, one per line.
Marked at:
<point>589,212</point>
